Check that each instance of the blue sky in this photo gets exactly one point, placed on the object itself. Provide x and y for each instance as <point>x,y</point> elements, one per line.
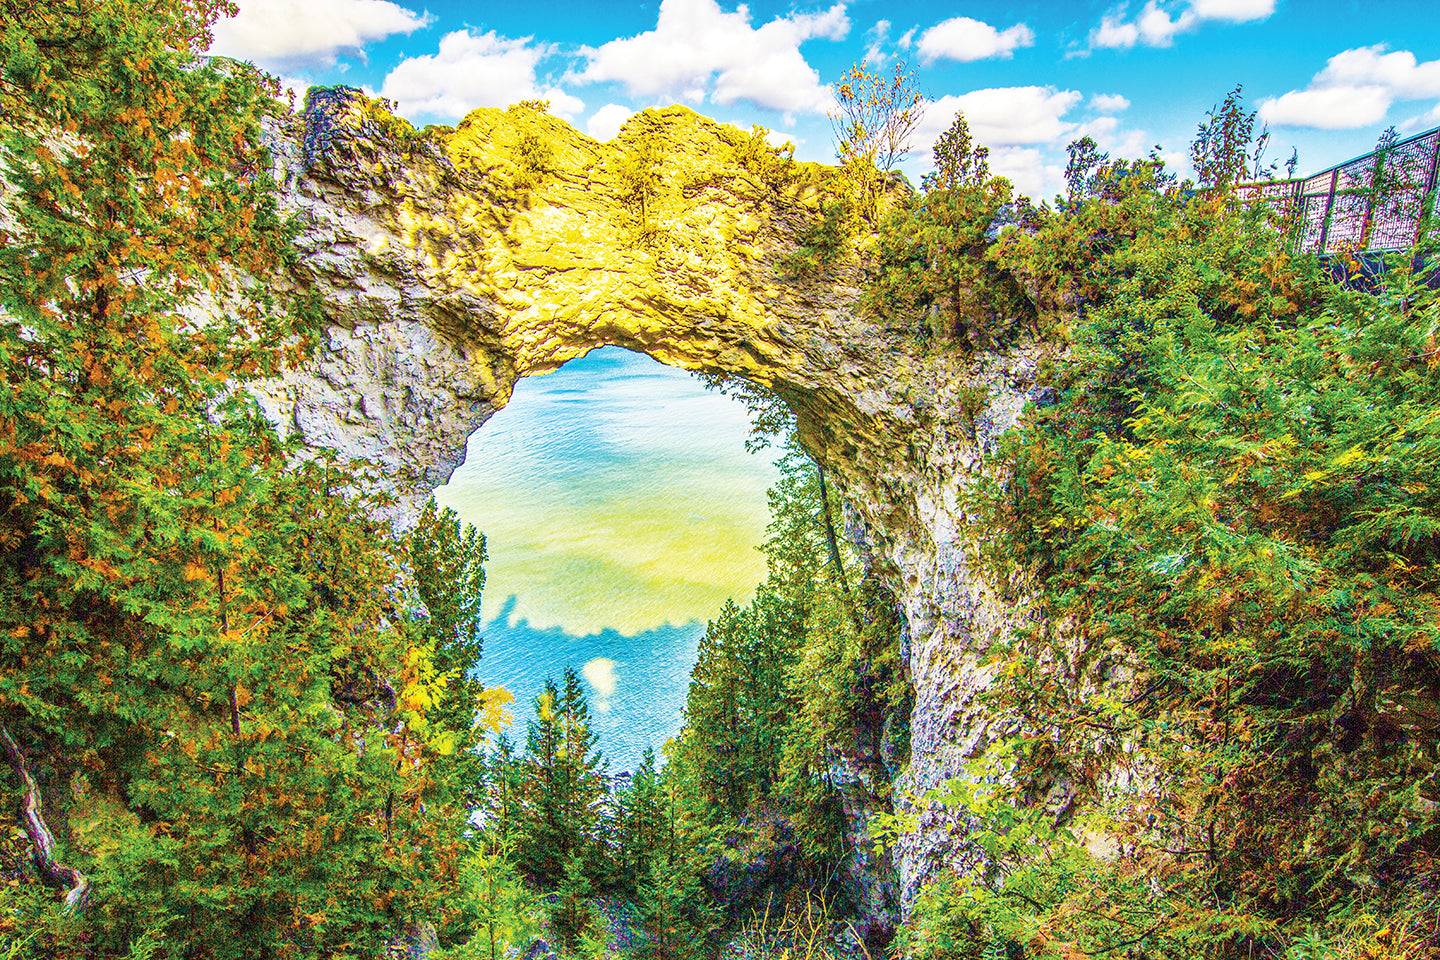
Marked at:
<point>1327,75</point>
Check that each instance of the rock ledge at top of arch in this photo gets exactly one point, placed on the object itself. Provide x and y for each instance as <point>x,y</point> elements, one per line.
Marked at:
<point>667,239</point>
<point>451,261</point>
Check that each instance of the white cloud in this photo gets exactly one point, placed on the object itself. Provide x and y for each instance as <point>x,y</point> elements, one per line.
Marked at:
<point>1004,116</point>
<point>1235,11</point>
<point>1157,26</point>
<point>1109,103</point>
<point>907,39</point>
<point>779,140</point>
<point>1153,28</point>
<point>697,49</point>
<point>966,40</point>
<point>1398,72</point>
<point>296,86</point>
<point>600,674</point>
<point>877,36</point>
<point>1029,170</point>
<point>1430,119</point>
<point>1100,128</point>
<point>1112,138</point>
<point>1327,108</point>
<point>1355,89</point>
<point>1114,34</point>
<point>1022,126</point>
<point>469,71</point>
<point>606,122</point>
<point>310,31</point>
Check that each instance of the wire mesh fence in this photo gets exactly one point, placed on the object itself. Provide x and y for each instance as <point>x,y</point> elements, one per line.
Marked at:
<point>1369,204</point>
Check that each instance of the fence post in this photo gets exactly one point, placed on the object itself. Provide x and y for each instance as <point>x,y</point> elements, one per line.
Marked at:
<point>1329,209</point>
<point>1427,199</point>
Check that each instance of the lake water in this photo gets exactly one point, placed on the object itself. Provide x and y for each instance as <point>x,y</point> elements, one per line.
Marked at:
<point>620,510</point>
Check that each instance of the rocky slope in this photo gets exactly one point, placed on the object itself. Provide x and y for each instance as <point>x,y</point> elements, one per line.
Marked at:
<point>453,262</point>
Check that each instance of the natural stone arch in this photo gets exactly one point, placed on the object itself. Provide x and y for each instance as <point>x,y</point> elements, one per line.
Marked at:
<point>452,262</point>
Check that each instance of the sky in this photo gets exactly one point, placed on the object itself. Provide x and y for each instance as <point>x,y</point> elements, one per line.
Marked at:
<point>1327,76</point>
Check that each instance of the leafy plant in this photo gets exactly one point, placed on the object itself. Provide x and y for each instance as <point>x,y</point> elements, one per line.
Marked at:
<point>198,634</point>
<point>873,120</point>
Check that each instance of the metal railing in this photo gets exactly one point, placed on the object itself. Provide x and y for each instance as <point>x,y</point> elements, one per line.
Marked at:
<point>1370,204</point>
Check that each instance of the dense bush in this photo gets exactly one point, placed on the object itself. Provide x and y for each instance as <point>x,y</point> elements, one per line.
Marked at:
<point>1230,523</point>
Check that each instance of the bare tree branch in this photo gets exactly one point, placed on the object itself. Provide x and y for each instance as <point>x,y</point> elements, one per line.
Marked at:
<point>53,874</point>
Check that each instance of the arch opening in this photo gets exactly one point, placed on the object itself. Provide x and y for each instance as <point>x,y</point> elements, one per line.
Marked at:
<point>621,510</point>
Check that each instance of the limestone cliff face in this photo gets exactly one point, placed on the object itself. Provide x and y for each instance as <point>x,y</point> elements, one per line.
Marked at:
<point>453,262</point>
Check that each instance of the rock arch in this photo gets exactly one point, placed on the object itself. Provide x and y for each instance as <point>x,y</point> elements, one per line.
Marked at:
<point>453,262</point>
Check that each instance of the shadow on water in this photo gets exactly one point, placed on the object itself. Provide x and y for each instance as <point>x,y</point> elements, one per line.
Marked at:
<point>635,684</point>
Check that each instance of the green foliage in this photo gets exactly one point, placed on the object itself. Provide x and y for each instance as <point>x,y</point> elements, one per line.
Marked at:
<point>1039,894</point>
<point>770,165</point>
<point>822,241</point>
<point>1084,168</point>
<point>793,929</point>
<point>639,173</point>
<point>571,913</point>
<point>959,160</point>
<point>1227,520</point>
<point>1231,504</point>
<point>644,835</point>
<point>196,634</point>
<point>492,910</point>
<point>536,155</point>
<point>784,683</point>
<point>1225,148</point>
<point>449,572</point>
<point>935,258</point>
<point>873,120</point>
<point>556,820</point>
<point>675,917</point>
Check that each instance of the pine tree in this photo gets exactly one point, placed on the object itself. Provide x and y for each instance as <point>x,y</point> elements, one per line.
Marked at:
<point>563,786</point>
<point>643,824</point>
<point>582,775</point>
<point>541,843</point>
<point>571,912</point>
<point>191,626</point>
<point>448,568</point>
<point>505,777</point>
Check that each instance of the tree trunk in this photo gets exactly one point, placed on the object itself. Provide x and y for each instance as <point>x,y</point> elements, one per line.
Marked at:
<point>52,873</point>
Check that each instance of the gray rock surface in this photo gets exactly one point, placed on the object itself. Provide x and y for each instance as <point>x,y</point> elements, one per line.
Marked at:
<point>445,278</point>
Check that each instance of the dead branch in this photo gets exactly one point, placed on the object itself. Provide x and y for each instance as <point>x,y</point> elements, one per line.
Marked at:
<point>52,874</point>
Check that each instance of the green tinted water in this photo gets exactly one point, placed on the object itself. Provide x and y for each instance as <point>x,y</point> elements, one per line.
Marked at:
<point>620,511</point>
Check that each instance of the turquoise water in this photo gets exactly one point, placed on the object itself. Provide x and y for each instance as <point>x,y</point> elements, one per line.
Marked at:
<point>620,510</point>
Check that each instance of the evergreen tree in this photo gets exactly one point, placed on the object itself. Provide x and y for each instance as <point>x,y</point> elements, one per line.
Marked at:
<point>674,915</point>
<point>643,824</point>
<point>583,769</point>
<point>194,630</point>
<point>540,841</point>
<point>447,566</point>
<point>563,785</point>
<point>959,160</point>
<point>505,777</point>
<point>571,912</point>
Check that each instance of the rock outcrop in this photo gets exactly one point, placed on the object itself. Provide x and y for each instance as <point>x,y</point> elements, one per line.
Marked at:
<point>453,262</point>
